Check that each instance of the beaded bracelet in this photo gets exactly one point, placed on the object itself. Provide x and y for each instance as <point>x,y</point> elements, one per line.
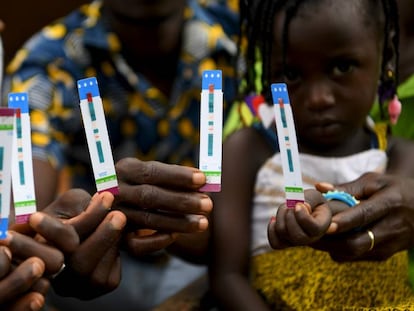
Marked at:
<point>342,196</point>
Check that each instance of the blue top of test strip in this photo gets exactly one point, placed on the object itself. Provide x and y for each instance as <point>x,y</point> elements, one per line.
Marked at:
<point>19,100</point>
<point>212,77</point>
<point>279,90</point>
<point>88,85</point>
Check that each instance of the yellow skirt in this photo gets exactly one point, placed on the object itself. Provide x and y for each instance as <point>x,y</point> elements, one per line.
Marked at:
<point>302,278</point>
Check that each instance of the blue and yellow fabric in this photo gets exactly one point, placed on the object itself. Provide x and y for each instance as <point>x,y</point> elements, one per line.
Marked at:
<point>142,121</point>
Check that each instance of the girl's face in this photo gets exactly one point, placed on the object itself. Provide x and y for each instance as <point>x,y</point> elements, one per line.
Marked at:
<point>332,69</point>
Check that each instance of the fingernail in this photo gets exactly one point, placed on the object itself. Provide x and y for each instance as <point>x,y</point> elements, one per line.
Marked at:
<point>7,240</point>
<point>203,223</point>
<point>299,207</point>
<point>332,227</point>
<point>7,252</point>
<point>36,304</point>
<point>307,206</point>
<point>199,178</point>
<point>36,218</point>
<point>206,204</point>
<point>107,200</point>
<point>272,219</point>
<point>327,185</point>
<point>117,222</point>
<point>37,268</point>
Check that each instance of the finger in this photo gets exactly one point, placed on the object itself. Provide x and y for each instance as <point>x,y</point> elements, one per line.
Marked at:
<point>115,274</point>
<point>68,205</point>
<point>140,246</point>
<point>41,286</point>
<point>5,261</point>
<point>273,237</point>
<point>363,214</point>
<point>295,233</point>
<point>315,224</point>
<point>353,249</point>
<point>156,198</point>
<point>314,198</point>
<point>32,301</point>
<point>136,172</point>
<point>23,247</point>
<point>324,187</point>
<point>25,229</point>
<point>167,222</point>
<point>108,271</point>
<point>21,279</point>
<point>90,252</point>
<point>56,233</point>
<point>366,185</point>
<point>97,209</point>
<point>347,247</point>
<point>280,226</point>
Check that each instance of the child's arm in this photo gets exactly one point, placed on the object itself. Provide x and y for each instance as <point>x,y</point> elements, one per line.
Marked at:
<point>243,153</point>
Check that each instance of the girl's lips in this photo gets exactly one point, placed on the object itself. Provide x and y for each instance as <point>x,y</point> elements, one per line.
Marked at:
<point>325,129</point>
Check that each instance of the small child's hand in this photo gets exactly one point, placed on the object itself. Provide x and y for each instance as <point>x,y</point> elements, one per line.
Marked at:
<point>303,225</point>
<point>21,284</point>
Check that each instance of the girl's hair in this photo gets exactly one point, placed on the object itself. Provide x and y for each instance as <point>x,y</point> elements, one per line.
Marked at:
<point>257,18</point>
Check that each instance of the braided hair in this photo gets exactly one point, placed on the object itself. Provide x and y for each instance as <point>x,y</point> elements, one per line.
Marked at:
<point>257,17</point>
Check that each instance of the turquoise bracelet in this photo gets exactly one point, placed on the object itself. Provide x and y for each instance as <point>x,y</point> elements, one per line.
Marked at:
<point>342,196</point>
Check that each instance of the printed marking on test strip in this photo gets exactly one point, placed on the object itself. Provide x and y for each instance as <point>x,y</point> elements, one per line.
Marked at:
<point>22,166</point>
<point>288,146</point>
<point>6,146</point>
<point>97,136</point>
<point>211,127</point>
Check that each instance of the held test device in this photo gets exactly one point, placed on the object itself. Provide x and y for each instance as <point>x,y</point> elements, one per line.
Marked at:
<point>22,165</point>
<point>97,136</point>
<point>288,146</point>
<point>211,127</point>
<point>6,143</point>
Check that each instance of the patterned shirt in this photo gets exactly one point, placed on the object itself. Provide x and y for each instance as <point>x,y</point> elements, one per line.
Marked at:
<point>142,122</point>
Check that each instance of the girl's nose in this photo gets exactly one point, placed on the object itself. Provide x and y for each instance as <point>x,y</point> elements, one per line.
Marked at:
<point>319,95</point>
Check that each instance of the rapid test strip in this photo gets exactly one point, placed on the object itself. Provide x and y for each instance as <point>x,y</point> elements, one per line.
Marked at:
<point>6,146</point>
<point>288,146</point>
<point>97,136</point>
<point>22,163</point>
<point>211,128</point>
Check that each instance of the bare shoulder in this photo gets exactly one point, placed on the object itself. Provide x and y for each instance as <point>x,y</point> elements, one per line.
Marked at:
<point>249,145</point>
<point>401,154</point>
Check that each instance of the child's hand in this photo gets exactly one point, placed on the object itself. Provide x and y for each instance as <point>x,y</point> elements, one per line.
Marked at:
<point>93,267</point>
<point>21,284</point>
<point>303,225</point>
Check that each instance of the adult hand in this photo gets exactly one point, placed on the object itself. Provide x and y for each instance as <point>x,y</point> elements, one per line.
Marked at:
<point>92,262</point>
<point>21,284</point>
<point>386,209</point>
<point>162,198</point>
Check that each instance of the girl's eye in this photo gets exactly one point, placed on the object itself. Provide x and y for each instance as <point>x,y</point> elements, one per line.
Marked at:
<point>291,74</point>
<point>342,67</point>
